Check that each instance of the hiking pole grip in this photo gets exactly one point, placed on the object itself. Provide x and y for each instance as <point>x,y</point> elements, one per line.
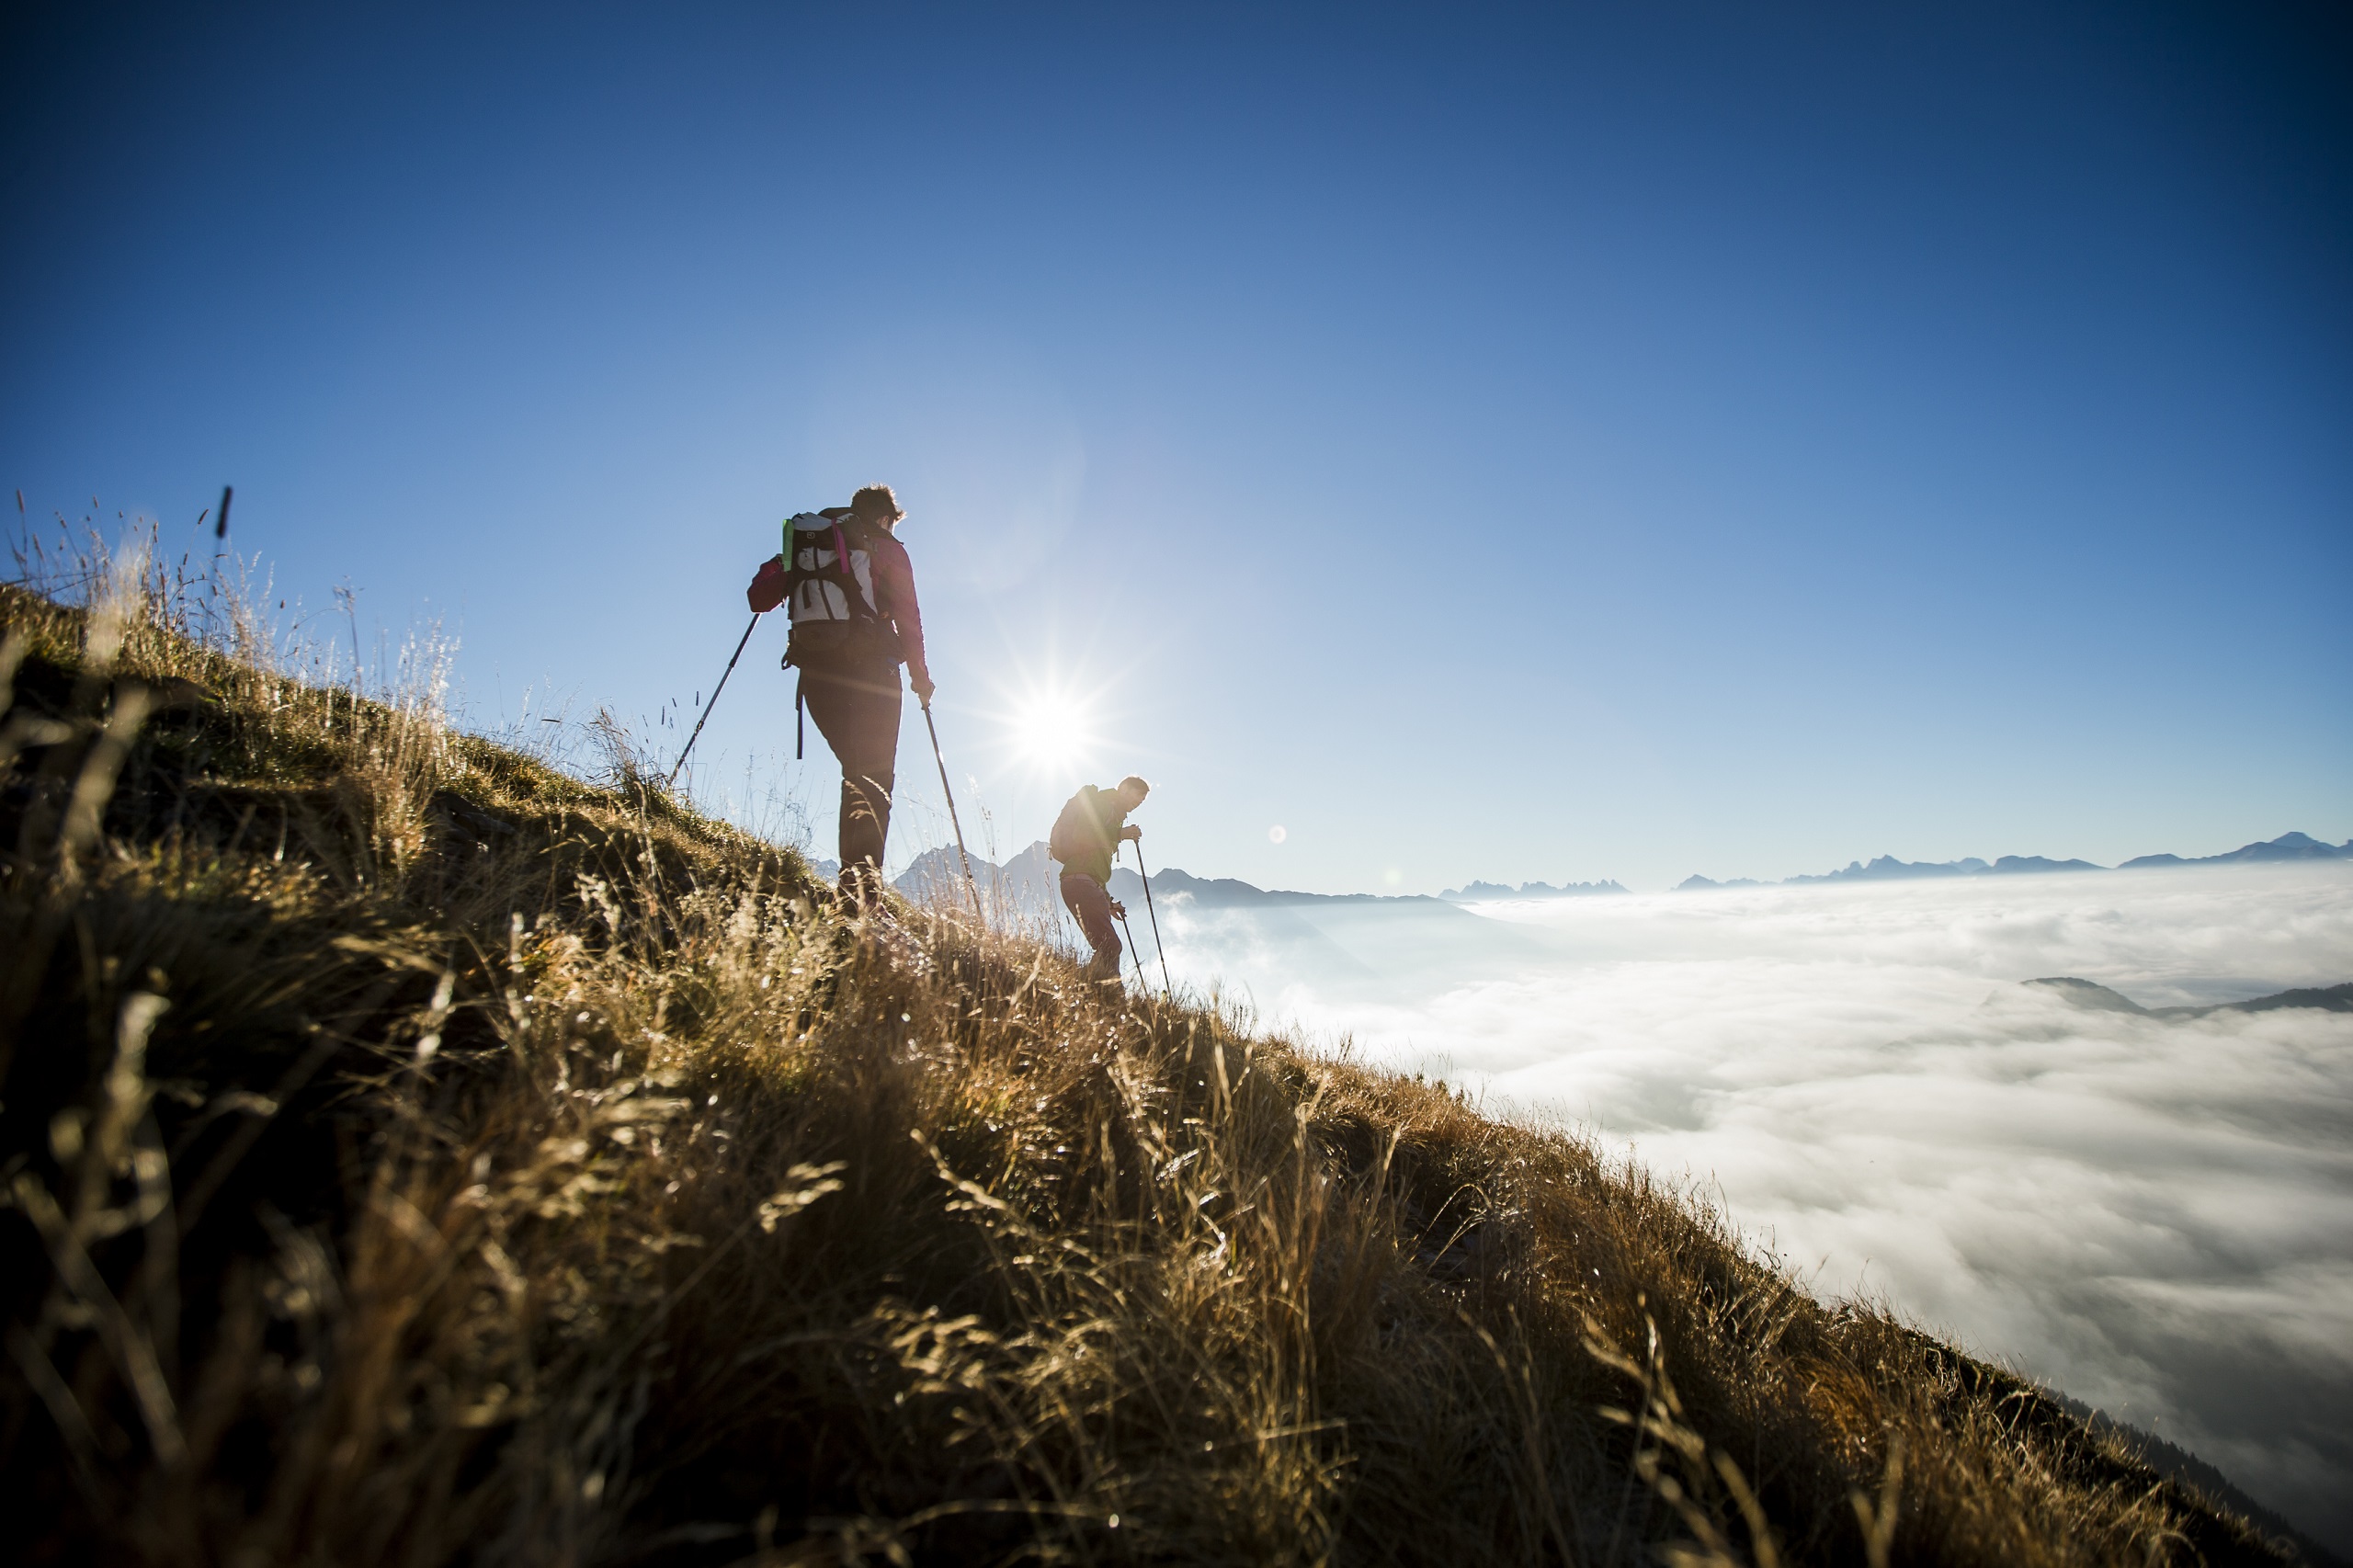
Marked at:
<point>1166,989</point>
<point>939,756</point>
<point>714,700</point>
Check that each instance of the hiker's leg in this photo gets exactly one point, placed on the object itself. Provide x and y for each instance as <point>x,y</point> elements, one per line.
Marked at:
<point>830,704</point>
<point>1090,905</point>
<point>869,769</point>
<point>865,805</point>
<point>857,709</point>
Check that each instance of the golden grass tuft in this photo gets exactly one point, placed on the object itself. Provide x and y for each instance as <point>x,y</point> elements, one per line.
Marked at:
<point>419,1155</point>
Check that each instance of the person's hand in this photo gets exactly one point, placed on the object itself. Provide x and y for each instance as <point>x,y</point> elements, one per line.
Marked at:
<point>1133,834</point>
<point>1118,910</point>
<point>923,687</point>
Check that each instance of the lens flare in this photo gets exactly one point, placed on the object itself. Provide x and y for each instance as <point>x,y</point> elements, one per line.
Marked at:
<point>1050,731</point>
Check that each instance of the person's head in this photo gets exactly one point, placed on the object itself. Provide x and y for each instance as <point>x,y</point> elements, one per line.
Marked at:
<point>1132,791</point>
<point>876,504</point>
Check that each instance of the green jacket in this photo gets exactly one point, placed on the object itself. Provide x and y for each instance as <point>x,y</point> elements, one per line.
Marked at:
<point>1086,835</point>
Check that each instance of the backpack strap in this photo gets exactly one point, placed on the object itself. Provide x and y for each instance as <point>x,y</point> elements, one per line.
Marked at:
<point>859,608</point>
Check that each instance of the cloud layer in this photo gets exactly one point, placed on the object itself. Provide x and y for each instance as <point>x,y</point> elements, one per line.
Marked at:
<point>2153,1215</point>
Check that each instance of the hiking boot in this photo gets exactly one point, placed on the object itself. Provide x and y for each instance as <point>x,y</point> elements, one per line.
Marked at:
<point>1103,968</point>
<point>858,889</point>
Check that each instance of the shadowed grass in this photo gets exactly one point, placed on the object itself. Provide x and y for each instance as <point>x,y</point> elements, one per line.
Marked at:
<point>419,1155</point>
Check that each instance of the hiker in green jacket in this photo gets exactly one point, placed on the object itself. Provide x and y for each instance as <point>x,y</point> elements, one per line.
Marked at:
<point>1090,830</point>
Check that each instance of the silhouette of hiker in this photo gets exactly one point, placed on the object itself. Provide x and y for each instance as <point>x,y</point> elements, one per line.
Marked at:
<point>1085,836</point>
<point>855,621</point>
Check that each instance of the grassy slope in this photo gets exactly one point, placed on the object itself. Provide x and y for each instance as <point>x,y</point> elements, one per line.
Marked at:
<point>418,1155</point>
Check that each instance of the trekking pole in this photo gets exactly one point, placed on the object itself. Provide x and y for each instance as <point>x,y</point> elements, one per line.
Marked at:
<point>714,699</point>
<point>1165,987</point>
<point>1135,952</point>
<point>971,886</point>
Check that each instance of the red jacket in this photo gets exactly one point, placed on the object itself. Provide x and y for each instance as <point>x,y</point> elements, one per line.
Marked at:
<point>895,595</point>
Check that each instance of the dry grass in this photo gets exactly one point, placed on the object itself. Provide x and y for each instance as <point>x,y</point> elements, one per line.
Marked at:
<point>418,1155</point>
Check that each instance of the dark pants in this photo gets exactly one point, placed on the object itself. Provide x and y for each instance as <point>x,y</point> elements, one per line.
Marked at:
<point>1090,904</point>
<point>856,708</point>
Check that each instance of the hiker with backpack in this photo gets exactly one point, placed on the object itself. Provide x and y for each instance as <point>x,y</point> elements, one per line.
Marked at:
<point>851,590</point>
<point>1086,835</point>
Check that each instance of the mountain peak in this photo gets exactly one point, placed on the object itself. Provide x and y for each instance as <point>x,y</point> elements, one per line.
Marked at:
<point>2287,847</point>
<point>1482,893</point>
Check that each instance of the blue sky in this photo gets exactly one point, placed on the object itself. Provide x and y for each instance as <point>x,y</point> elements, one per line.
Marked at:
<point>1484,441</point>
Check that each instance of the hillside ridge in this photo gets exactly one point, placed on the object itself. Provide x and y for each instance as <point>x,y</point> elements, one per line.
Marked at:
<point>416,1154</point>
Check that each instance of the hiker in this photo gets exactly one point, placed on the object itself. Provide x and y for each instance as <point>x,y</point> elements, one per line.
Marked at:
<point>1089,833</point>
<point>855,621</point>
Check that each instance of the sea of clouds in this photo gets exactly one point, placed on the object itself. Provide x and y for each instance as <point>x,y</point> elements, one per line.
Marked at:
<point>2153,1215</point>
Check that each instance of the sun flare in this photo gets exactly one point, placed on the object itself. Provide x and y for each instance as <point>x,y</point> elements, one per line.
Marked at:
<point>1050,731</point>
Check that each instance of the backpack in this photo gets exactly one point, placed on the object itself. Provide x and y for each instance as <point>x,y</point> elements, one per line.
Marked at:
<point>829,588</point>
<point>1078,831</point>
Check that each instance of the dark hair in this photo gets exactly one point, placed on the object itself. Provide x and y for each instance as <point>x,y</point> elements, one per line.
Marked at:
<point>1138,781</point>
<point>876,501</point>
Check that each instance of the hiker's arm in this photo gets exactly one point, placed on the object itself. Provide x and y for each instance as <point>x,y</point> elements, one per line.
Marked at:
<point>898,601</point>
<point>766,591</point>
<point>1133,834</point>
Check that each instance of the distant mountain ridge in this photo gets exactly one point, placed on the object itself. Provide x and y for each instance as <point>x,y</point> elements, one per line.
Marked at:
<point>1225,892</point>
<point>1031,882</point>
<point>1480,893</point>
<point>2287,847</point>
<point>1026,877</point>
<point>2092,995</point>
<point>1887,869</point>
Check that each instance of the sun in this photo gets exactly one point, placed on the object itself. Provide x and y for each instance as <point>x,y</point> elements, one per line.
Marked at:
<point>1050,731</point>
